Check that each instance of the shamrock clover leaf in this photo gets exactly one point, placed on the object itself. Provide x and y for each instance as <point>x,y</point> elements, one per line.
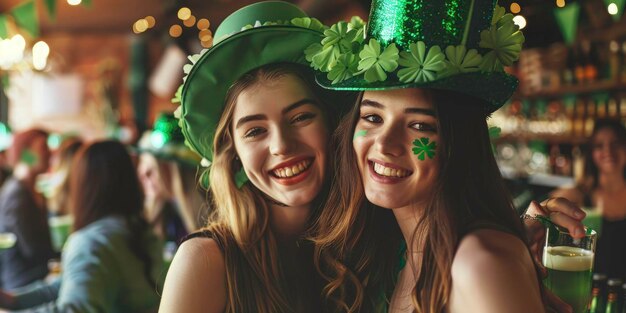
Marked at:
<point>345,67</point>
<point>420,66</point>
<point>310,23</point>
<point>340,36</point>
<point>311,51</point>
<point>460,60</point>
<point>505,41</point>
<point>325,59</point>
<point>498,13</point>
<point>178,95</point>
<point>424,148</point>
<point>357,24</point>
<point>375,64</point>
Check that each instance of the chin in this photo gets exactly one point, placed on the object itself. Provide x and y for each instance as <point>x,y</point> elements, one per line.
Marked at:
<point>386,202</point>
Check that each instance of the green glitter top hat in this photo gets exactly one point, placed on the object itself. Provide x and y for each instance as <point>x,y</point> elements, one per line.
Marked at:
<point>166,141</point>
<point>456,45</point>
<point>256,35</point>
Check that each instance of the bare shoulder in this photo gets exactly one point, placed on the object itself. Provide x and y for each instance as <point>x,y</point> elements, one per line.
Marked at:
<point>196,280</point>
<point>492,271</point>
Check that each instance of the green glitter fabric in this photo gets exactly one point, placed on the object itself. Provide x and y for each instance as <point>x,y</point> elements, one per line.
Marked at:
<point>455,45</point>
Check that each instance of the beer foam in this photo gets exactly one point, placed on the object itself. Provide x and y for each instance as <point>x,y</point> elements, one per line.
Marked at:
<point>570,259</point>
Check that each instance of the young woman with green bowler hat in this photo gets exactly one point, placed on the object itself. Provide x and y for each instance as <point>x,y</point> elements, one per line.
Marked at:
<point>427,224</point>
<point>251,108</point>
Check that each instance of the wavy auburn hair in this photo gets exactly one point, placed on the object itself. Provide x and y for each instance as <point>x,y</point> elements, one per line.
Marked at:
<point>359,245</point>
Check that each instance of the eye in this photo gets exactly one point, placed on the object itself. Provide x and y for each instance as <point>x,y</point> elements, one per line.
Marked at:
<point>424,127</point>
<point>372,118</point>
<point>303,117</point>
<point>256,131</point>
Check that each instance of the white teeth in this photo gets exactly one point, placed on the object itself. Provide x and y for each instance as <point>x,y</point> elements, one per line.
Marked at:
<point>389,172</point>
<point>292,170</point>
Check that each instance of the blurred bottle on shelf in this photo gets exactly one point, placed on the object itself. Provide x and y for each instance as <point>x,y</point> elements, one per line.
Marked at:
<point>615,61</point>
<point>567,75</point>
<point>623,63</point>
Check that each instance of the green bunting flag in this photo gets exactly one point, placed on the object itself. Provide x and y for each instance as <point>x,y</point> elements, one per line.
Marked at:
<point>620,8</point>
<point>3,27</point>
<point>51,6</point>
<point>25,16</point>
<point>567,18</point>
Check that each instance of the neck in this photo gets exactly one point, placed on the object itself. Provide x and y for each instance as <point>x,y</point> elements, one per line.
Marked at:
<point>289,222</point>
<point>408,217</point>
<point>611,181</point>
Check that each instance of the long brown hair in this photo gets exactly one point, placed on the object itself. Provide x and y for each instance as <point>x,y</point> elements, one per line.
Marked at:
<point>359,244</point>
<point>103,182</point>
<point>240,220</point>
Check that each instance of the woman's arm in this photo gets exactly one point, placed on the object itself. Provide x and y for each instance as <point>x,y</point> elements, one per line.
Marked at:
<point>33,295</point>
<point>196,280</point>
<point>492,272</point>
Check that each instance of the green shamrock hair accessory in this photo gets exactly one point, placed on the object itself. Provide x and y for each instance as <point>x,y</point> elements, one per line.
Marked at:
<point>460,46</point>
<point>360,133</point>
<point>241,178</point>
<point>422,148</point>
<point>28,157</point>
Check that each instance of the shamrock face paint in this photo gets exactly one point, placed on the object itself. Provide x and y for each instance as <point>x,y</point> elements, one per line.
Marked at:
<point>424,147</point>
<point>360,133</point>
<point>28,157</point>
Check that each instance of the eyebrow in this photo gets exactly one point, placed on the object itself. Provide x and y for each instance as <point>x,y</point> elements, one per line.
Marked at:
<point>262,117</point>
<point>378,105</point>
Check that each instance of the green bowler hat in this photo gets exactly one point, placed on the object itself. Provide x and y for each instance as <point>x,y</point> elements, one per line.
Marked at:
<point>166,141</point>
<point>457,45</point>
<point>256,35</point>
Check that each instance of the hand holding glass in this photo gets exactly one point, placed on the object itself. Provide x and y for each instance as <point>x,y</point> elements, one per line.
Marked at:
<point>569,262</point>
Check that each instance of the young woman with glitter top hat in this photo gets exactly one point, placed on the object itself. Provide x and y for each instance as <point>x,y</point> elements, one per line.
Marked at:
<point>427,224</point>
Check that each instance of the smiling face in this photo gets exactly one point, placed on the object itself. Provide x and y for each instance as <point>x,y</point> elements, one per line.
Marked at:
<point>608,153</point>
<point>281,138</point>
<point>395,145</point>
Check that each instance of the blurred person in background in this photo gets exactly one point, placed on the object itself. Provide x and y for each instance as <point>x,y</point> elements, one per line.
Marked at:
<point>167,171</point>
<point>6,137</point>
<point>603,188</point>
<point>57,186</point>
<point>23,212</point>
<point>112,260</point>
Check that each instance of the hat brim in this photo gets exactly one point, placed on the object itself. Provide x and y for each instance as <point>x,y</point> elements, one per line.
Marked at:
<point>205,88</point>
<point>496,88</point>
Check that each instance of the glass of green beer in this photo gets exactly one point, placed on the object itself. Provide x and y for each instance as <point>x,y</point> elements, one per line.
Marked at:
<point>60,228</point>
<point>569,263</point>
<point>7,240</point>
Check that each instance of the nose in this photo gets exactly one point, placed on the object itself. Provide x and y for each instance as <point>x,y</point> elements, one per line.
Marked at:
<point>391,141</point>
<point>281,142</point>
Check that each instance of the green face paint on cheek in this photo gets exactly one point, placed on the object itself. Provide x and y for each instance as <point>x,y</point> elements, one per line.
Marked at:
<point>28,157</point>
<point>360,133</point>
<point>423,147</point>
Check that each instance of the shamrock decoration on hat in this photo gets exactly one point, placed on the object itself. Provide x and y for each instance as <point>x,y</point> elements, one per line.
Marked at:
<point>457,45</point>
